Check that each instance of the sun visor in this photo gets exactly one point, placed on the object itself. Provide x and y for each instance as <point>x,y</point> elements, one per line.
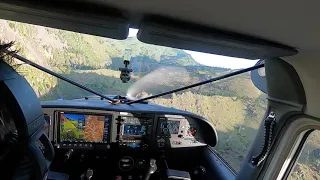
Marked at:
<point>211,41</point>
<point>87,22</point>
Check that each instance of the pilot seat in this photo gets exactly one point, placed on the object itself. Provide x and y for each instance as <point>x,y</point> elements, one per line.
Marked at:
<point>31,152</point>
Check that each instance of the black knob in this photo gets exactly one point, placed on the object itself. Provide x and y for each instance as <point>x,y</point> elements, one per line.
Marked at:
<point>200,171</point>
<point>89,174</point>
<point>68,154</point>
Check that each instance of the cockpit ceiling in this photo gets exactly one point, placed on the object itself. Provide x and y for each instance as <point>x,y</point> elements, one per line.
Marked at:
<point>291,23</point>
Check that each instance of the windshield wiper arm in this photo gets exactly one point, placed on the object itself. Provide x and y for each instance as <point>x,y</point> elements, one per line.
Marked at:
<point>15,55</point>
<point>200,83</point>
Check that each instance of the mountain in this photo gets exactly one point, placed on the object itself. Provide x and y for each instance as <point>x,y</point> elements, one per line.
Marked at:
<point>69,52</point>
<point>160,54</point>
<point>96,52</point>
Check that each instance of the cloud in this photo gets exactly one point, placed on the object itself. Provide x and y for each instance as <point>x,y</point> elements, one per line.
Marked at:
<point>221,61</point>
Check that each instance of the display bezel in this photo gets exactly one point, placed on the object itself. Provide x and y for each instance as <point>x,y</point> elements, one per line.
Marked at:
<point>164,119</point>
<point>57,121</point>
<point>136,135</point>
<point>141,123</point>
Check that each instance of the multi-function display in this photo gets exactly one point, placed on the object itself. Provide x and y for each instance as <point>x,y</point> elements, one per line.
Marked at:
<point>75,127</point>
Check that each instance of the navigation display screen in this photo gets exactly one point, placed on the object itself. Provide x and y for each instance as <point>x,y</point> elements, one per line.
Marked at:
<point>134,129</point>
<point>173,126</point>
<point>83,127</point>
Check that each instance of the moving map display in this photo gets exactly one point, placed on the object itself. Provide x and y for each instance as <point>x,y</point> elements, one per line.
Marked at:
<point>83,127</point>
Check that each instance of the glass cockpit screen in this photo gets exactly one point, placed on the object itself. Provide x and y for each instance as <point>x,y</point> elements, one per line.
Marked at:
<point>129,129</point>
<point>83,127</point>
<point>173,126</point>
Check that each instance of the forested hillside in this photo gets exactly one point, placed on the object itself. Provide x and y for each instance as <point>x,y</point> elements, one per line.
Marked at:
<point>234,106</point>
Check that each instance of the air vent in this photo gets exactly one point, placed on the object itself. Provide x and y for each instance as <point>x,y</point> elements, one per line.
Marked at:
<point>47,118</point>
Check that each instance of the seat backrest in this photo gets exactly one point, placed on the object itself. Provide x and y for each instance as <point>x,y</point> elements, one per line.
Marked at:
<point>28,117</point>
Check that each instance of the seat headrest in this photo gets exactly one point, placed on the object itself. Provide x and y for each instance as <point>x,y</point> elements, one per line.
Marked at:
<point>26,111</point>
<point>21,101</point>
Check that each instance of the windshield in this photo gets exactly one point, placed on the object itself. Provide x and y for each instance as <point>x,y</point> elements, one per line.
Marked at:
<point>95,61</point>
<point>234,106</point>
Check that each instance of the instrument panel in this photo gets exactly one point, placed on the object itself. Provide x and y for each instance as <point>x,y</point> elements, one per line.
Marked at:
<point>97,129</point>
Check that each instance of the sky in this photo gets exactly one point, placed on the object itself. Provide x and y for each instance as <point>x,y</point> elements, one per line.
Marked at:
<point>212,59</point>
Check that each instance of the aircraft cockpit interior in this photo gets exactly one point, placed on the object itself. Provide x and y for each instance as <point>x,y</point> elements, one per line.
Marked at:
<point>82,139</point>
<point>159,90</point>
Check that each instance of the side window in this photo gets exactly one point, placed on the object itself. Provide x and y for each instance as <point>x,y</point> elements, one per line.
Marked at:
<point>308,165</point>
<point>234,106</point>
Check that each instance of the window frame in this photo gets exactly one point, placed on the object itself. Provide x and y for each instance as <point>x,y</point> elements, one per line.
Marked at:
<point>286,151</point>
<point>223,160</point>
<point>294,156</point>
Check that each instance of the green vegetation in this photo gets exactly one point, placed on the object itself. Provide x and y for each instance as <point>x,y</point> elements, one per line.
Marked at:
<point>25,30</point>
<point>304,172</point>
<point>308,164</point>
<point>104,80</point>
<point>70,130</point>
<point>91,52</point>
<point>81,50</point>
<point>234,106</point>
<point>235,125</point>
<point>12,25</point>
